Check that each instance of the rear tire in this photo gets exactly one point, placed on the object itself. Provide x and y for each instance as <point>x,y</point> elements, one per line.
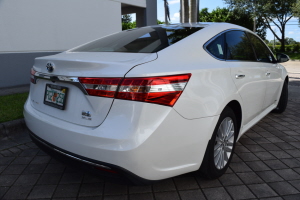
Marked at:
<point>220,147</point>
<point>283,99</point>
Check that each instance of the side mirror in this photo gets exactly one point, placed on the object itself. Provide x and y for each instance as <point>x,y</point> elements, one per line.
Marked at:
<point>281,57</point>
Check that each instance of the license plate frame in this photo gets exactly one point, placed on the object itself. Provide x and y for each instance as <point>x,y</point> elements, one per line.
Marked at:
<point>57,101</point>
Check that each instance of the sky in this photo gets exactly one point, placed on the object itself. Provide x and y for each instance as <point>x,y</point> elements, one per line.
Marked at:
<point>292,31</point>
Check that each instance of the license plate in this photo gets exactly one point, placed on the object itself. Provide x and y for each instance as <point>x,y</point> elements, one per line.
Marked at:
<point>55,96</point>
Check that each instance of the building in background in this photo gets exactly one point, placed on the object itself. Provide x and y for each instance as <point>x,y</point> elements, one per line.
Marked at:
<point>34,28</point>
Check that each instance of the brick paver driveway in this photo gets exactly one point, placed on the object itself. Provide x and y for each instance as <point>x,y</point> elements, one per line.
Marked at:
<point>266,164</point>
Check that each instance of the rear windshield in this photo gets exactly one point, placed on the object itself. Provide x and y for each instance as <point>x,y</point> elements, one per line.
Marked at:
<point>141,40</point>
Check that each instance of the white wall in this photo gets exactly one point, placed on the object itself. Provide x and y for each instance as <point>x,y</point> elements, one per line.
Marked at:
<point>56,25</point>
<point>139,3</point>
<point>34,28</point>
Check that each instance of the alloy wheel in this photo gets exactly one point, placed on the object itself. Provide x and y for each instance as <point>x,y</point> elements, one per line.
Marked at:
<point>224,143</point>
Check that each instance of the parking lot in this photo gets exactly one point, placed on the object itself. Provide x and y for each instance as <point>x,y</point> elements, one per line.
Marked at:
<point>266,165</point>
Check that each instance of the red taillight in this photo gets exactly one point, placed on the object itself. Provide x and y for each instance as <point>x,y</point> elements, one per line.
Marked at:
<point>32,73</point>
<point>160,90</point>
<point>102,87</point>
<point>163,90</point>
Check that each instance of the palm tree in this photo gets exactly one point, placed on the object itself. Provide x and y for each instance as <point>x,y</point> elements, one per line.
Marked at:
<point>167,12</point>
<point>185,11</point>
<point>189,11</point>
<point>193,10</point>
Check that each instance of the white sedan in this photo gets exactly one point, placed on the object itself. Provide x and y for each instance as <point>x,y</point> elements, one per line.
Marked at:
<point>155,102</point>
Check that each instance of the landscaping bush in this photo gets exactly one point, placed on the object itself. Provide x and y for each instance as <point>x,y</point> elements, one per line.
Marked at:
<point>296,48</point>
<point>277,48</point>
<point>288,48</point>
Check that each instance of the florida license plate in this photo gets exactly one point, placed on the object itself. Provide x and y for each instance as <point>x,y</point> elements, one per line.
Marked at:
<point>55,96</point>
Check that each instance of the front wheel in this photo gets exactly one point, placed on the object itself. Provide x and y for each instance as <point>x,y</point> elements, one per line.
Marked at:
<point>220,147</point>
<point>283,99</point>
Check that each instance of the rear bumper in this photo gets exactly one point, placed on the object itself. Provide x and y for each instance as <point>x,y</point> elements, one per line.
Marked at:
<point>114,173</point>
<point>149,141</point>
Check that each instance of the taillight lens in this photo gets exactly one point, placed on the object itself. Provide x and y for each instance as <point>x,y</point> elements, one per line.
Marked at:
<point>32,73</point>
<point>103,87</point>
<point>160,90</point>
<point>164,90</point>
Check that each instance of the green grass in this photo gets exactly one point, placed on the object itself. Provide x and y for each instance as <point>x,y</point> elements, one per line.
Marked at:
<point>11,106</point>
<point>293,56</point>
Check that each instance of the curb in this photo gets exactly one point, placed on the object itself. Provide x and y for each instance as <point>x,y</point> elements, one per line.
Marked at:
<point>10,128</point>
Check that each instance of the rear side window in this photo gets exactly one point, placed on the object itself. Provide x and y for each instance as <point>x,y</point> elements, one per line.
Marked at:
<point>263,54</point>
<point>238,46</point>
<point>216,47</point>
<point>140,40</point>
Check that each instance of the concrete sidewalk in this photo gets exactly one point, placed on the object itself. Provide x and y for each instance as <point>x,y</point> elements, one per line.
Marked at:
<point>293,69</point>
<point>14,90</point>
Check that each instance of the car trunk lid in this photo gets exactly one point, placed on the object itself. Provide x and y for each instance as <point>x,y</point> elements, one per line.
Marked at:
<point>60,94</point>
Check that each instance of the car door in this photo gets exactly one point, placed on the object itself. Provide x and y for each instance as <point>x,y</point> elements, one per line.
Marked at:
<point>272,70</point>
<point>246,74</point>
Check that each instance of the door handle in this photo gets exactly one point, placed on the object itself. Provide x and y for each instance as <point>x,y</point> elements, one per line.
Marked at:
<point>239,76</point>
<point>268,74</point>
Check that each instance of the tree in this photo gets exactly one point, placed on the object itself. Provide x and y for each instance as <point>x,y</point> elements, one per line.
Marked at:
<point>260,28</point>
<point>184,7</point>
<point>290,41</point>
<point>159,22</point>
<point>194,10</point>
<point>278,12</point>
<point>232,16</point>
<point>126,18</point>
<point>296,10</point>
<point>276,42</point>
<point>189,10</point>
<point>167,11</point>
<point>126,22</point>
<point>266,41</point>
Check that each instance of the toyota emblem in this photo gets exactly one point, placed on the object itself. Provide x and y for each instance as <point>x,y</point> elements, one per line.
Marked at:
<point>50,67</point>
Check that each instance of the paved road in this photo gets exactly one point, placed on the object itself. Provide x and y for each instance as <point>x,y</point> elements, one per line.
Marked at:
<point>266,164</point>
<point>294,80</point>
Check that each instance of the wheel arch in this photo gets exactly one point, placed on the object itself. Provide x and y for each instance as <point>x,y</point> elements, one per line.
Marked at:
<point>286,79</point>
<point>237,109</point>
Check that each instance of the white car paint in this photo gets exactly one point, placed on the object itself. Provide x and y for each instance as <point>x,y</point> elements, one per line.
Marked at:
<point>74,64</point>
<point>142,143</point>
<point>252,87</point>
<point>153,141</point>
<point>274,78</point>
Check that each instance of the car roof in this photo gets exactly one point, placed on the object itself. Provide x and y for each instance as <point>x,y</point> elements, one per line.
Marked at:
<point>224,25</point>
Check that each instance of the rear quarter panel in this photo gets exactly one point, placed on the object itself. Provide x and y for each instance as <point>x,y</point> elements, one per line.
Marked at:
<point>210,87</point>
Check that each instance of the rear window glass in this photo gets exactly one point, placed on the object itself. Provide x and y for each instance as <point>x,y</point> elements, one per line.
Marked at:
<point>216,47</point>
<point>141,40</point>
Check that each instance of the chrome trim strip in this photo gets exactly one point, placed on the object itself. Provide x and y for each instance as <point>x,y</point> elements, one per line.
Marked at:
<point>69,79</point>
<point>70,156</point>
